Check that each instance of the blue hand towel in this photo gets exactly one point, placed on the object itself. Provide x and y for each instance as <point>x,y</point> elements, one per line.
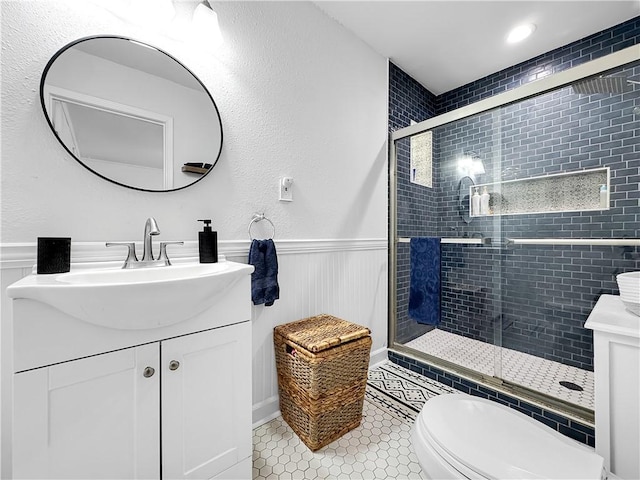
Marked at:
<point>264,279</point>
<point>424,288</point>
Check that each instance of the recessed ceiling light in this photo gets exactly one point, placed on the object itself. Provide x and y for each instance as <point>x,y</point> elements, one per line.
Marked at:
<point>520,32</point>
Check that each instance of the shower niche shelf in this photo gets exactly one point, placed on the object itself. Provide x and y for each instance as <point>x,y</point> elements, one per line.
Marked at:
<point>563,192</point>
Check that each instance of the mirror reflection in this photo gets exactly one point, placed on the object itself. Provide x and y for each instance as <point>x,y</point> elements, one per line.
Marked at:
<point>131,113</point>
<point>464,189</point>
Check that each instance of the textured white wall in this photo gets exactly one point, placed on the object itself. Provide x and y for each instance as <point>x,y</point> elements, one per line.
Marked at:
<point>298,96</point>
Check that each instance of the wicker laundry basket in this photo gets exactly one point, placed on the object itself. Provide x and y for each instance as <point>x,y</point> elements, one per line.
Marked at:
<point>322,364</point>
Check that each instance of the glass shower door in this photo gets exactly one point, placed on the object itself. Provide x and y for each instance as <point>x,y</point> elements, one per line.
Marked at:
<point>518,281</point>
<point>468,336</point>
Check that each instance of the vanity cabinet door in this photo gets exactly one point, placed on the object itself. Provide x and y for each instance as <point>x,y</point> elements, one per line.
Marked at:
<point>95,417</point>
<point>206,402</point>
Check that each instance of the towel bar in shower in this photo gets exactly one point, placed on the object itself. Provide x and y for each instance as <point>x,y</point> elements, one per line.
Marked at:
<point>509,242</point>
<point>460,240</point>
<point>593,242</point>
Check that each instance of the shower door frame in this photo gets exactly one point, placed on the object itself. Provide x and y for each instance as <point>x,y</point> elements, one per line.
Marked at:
<point>551,82</point>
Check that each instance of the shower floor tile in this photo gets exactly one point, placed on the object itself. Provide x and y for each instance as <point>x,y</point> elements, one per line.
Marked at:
<point>520,368</point>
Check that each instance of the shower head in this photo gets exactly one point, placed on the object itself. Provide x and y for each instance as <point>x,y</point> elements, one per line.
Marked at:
<point>590,86</point>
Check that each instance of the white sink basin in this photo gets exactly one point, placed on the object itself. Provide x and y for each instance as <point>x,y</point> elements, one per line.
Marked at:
<point>133,299</point>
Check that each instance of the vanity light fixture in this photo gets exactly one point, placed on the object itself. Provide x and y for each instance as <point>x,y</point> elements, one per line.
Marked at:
<point>205,26</point>
<point>160,15</point>
<point>520,32</point>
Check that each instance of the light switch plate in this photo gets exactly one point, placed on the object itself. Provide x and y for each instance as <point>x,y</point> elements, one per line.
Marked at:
<point>286,192</point>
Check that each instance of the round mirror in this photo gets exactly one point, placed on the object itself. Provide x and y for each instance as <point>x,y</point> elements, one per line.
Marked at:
<point>131,113</point>
<point>464,196</point>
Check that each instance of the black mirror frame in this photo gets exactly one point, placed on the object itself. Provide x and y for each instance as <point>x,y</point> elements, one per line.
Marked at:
<point>44,110</point>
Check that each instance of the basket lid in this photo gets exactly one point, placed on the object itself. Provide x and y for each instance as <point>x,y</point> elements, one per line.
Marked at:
<point>321,332</point>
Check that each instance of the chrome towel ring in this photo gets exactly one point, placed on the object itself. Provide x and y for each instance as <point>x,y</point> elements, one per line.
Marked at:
<point>258,217</point>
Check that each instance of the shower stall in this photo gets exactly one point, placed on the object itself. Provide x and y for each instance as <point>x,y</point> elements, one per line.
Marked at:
<point>535,197</point>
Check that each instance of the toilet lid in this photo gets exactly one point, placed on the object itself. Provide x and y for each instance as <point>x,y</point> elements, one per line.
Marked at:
<point>498,442</point>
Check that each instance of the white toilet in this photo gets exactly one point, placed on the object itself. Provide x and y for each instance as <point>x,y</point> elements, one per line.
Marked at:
<point>459,436</point>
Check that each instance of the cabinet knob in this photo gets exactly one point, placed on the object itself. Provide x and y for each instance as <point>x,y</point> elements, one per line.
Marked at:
<point>174,364</point>
<point>148,372</point>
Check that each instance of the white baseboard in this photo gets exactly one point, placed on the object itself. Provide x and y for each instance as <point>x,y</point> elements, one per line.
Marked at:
<point>378,356</point>
<point>266,411</point>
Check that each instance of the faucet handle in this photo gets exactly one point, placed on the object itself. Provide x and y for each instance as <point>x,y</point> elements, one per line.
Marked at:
<point>131,253</point>
<point>163,251</point>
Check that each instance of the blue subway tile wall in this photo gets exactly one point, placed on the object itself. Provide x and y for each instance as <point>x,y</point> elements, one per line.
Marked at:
<point>471,287</point>
<point>542,295</point>
<point>567,426</point>
<point>589,48</point>
<point>409,101</point>
<point>539,297</point>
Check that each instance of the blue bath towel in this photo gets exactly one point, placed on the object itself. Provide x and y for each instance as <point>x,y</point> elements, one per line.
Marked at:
<point>424,288</point>
<point>264,279</point>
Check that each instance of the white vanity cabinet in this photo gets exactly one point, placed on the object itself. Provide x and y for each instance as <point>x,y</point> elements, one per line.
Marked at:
<point>97,417</point>
<point>164,402</point>
<point>102,416</point>
<point>206,402</point>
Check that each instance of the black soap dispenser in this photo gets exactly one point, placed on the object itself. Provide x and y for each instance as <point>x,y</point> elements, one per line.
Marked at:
<point>208,243</point>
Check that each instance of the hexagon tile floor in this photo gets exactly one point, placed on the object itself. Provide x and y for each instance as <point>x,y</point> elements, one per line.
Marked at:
<point>379,448</point>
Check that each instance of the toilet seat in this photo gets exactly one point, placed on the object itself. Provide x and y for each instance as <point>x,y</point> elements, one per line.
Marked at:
<point>457,468</point>
<point>483,439</point>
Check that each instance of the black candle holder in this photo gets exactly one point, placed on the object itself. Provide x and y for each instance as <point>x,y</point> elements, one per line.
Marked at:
<point>54,255</point>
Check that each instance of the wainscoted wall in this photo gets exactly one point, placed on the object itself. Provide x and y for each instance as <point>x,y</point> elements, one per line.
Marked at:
<point>345,278</point>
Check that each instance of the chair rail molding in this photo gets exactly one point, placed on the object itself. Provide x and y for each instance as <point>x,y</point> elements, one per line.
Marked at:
<point>23,255</point>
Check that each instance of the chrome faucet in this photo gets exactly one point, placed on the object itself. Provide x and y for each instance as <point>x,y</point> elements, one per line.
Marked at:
<point>150,229</point>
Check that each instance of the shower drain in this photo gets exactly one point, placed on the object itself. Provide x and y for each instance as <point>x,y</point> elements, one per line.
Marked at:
<point>571,386</point>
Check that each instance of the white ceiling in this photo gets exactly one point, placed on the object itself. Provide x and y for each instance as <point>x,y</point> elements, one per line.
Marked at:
<point>447,44</point>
